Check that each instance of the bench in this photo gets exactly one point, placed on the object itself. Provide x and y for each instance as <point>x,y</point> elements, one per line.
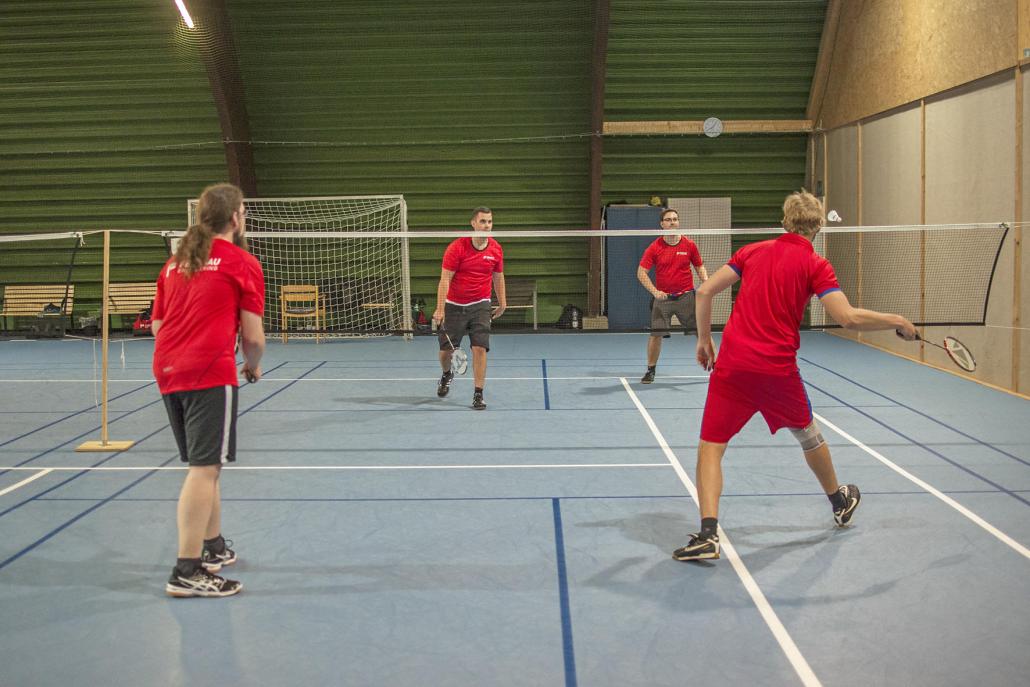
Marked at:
<point>130,298</point>
<point>21,300</point>
<point>520,294</point>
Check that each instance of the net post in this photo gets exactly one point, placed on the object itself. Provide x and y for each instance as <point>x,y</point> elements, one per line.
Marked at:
<point>406,322</point>
<point>104,444</point>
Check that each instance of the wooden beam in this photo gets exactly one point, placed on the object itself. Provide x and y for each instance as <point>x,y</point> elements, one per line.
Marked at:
<point>223,73</point>
<point>690,127</point>
<point>1017,238</point>
<point>827,42</point>
<point>599,72</point>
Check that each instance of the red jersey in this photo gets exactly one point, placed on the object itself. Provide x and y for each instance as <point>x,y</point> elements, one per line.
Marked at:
<point>200,317</point>
<point>473,270</point>
<point>777,278</point>
<point>672,264</point>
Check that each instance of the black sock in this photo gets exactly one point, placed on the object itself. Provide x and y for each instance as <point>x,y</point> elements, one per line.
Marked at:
<point>837,500</point>
<point>479,390</point>
<point>216,545</point>
<point>186,566</point>
<point>651,368</point>
<point>709,527</point>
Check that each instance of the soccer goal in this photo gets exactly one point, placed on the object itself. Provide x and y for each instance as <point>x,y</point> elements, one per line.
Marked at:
<point>319,280</point>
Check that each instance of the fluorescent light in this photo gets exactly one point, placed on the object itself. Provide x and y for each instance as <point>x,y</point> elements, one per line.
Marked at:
<point>185,14</point>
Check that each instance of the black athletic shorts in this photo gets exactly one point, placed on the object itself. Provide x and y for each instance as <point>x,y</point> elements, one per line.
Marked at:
<point>458,320</point>
<point>204,424</point>
<point>682,306</point>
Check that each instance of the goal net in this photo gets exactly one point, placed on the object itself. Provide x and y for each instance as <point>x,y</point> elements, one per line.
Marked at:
<point>321,281</point>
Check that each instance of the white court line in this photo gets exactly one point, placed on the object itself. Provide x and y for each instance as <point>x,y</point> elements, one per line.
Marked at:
<point>791,650</point>
<point>108,468</point>
<point>25,481</point>
<point>344,379</point>
<point>1019,548</point>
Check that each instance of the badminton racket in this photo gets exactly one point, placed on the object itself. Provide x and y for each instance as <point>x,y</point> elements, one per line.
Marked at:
<point>956,350</point>
<point>459,359</point>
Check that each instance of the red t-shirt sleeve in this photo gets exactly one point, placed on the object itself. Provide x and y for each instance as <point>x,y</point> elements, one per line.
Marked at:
<point>252,287</point>
<point>739,260</point>
<point>695,258</point>
<point>157,312</point>
<point>452,256</point>
<point>824,279</point>
<point>648,259</point>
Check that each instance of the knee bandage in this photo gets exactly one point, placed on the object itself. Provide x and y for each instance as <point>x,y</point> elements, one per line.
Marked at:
<point>810,437</point>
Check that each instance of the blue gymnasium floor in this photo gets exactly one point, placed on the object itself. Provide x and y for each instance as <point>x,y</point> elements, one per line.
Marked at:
<point>387,537</point>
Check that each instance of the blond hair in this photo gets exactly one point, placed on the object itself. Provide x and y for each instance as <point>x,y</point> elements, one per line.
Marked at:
<point>215,209</point>
<point>802,214</point>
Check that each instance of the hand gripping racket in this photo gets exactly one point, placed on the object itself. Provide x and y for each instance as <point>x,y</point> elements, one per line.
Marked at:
<point>459,359</point>
<point>955,349</point>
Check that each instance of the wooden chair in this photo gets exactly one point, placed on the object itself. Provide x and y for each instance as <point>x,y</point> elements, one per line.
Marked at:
<point>302,301</point>
<point>520,294</point>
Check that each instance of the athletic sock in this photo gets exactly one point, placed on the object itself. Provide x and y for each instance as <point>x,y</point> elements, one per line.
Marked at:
<point>709,527</point>
<point>479,390</point>
<point>186,566</point>
<point>216,545</point>
<point>837,500</point>
<point>651,368</point>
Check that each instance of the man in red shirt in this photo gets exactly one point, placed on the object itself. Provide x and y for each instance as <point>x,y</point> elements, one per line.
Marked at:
<point>757,363</point>
<point>209,291</point>
<point>471,267</point>
<point>672,256</point>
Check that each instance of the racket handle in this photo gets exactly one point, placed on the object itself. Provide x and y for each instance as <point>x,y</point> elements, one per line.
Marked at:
<point>902,336</point>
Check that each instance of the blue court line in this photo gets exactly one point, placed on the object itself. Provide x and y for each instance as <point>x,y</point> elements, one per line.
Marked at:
<point>628,497</point>
<point>68,417</point>
<point>547,398</point>
<point>919,412</point>
<point>50,534</point>
<point>563,598</point>
<point>926,448</point>
<point>97,464</point>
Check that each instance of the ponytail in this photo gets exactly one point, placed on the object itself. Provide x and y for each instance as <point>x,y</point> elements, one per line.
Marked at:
<point>214,212</point>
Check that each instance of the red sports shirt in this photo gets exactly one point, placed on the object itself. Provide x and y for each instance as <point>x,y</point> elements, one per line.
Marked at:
<point>473,270</point>
<point>672,264</point>
<point>777,278</point>
<point>200,318</point>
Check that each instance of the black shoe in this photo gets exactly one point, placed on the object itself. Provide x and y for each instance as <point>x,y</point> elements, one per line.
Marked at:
<point>445,383</point>
<point>213,562</point>
<point>648,377</point>
<point>852,497</point>
<point>200,583</point>
<point>699,548</point>
<point>477,401</point>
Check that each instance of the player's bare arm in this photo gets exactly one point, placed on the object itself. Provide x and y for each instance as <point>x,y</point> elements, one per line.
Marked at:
<point>502,296</point>
<point>645,280</point>
<point>441,294</point>
<point>860,319</point>
<point>723,278</point>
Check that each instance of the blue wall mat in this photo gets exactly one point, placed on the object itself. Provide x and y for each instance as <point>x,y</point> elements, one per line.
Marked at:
<point>629,305</point>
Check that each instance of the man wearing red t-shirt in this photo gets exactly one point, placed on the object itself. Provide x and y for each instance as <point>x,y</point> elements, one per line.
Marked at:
<point>672,256</point>
<point>209,291</point>
<point>472,266</point>
<point>757,364</point>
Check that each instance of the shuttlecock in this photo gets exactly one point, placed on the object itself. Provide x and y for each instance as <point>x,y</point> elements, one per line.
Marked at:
<point>833,216</point>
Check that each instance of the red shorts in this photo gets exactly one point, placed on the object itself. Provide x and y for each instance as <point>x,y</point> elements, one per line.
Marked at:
<point>735,395</point>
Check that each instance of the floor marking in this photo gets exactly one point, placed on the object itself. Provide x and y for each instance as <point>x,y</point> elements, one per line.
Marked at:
<point>25,481</point>
<point>110,468</point>
<point>1019,548</point>
<point>785,641</point>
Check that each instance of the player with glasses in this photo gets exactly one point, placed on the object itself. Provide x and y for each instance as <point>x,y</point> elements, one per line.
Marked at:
<point>672,256</point>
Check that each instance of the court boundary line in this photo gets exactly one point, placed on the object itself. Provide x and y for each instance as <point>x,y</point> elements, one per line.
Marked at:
<point>917,412</point>
<point>568,648</point>
<point>42,472</point>
<point>962,510</point>
<point>954,463</point>
<point>765,609</point>
<point>230,466</point>
<point>285,380</point>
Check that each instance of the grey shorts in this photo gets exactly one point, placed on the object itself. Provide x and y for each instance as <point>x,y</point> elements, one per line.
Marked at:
<point>461,319</point>
<point>204,424</point>
<point>681,306</point>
